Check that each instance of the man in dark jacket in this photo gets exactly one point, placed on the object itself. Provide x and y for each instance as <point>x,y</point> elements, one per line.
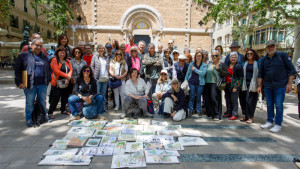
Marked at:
<point>181,68</point>
<point>175,104</point>
<point>153,65</point>
<point>38,77</point>
<point>234,48</point>
<point>277,73</point>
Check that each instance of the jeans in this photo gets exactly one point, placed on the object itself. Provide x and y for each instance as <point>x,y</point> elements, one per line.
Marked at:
<point>75,99</point>
<point>275,96</point>
<point>195,92</point>
<point>120,91</point>
<point>101,89</point>
<point>39,91</point>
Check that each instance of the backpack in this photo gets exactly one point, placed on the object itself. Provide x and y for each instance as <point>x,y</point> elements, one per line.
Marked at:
<point>38,114</point>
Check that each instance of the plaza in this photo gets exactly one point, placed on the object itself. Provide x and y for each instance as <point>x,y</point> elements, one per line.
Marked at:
<point>232,144</point>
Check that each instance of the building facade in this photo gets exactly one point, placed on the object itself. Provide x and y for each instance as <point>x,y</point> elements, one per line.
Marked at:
<point>152,21</point>
<point>21,15</point>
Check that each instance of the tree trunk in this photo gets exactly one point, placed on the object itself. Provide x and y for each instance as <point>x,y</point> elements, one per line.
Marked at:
<point>36,18</point>
<point>297,42</point>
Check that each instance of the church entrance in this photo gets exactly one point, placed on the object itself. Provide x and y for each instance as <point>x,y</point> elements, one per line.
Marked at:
<point>145,38</point>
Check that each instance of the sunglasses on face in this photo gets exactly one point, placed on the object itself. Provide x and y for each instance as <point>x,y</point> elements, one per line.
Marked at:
<point>215,55</point>
<point>39,46</point>
<point>163,74</point>
<point>181,60</point>
<point>249,53</point>
<point>87,71</point>
<point>118,54</point>
<point>76,52</point>
<point>134,51</point>
<point>175,53</point>
<point>271,46</point>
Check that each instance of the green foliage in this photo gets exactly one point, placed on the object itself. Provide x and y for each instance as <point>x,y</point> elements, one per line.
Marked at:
<point>58,13</point>
<point>4,11</point>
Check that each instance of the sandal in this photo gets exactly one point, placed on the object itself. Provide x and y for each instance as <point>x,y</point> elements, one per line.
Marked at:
<point>250,121</point>
<point>51,116</point>
<point>66,112</point>
<point>243,119</point>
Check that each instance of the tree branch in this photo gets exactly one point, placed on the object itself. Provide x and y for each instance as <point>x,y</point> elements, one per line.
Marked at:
<point>284,13</point>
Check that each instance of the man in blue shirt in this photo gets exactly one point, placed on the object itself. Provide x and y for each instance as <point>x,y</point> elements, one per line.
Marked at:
<point>38,70</point>
<point>277,72</point>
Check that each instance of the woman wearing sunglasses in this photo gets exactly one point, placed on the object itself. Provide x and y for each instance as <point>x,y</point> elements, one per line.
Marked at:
<point>196,78</point>
<point>249,87</point>
<point>162,86</point>
<point>118,69</point>
<point>215,72</point>
<point>134,61</point>
<point>85,90</point>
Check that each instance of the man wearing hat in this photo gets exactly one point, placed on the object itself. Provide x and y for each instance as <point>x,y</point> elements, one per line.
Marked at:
<point>277,73</point>
<point>180,68</point>
<point>234,48</point>
<point>108,47</point>
<point>175,104</point>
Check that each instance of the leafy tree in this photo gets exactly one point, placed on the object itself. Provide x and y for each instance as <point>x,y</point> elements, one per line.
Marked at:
<point>58,13</point>
<point>4,11</point>
<point>285,12</point>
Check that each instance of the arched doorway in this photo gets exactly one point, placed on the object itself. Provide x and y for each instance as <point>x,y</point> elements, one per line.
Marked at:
<point>143,22</point>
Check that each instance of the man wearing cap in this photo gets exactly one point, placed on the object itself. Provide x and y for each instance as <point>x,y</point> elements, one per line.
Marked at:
<point>234,48</point>
<point>277,73</point>
<point>109,54</point>
<point>153,66</point>
<point>181,68</point>
<point>175,104</point>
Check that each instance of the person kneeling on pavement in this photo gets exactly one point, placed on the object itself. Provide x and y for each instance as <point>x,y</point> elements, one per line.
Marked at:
<point>85,91</point>
<point>175,104</point>
<point>136,91</point>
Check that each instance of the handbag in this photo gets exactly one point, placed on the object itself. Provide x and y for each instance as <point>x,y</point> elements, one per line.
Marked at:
<point>150,106</point>
<point>221,83</point>
<point>113,82</point>
<point>103,79</point>
<point>61,83</point>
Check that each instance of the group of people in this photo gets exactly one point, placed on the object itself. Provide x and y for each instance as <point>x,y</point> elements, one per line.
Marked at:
<point>175,83</point>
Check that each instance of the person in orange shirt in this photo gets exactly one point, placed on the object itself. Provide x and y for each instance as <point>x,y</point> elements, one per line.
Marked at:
<point>60,80</point>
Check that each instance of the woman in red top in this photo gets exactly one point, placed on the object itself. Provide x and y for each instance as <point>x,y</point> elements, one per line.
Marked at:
<point>62,71</point>
<point>233,85</point>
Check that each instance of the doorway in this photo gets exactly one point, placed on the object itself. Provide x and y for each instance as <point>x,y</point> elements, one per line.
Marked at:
<point>145,38</point>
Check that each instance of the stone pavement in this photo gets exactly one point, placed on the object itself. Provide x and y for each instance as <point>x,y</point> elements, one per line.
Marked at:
<point>232,144</point>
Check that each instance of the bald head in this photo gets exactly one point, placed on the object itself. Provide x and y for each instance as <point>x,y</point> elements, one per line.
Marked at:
<point>35,36</point>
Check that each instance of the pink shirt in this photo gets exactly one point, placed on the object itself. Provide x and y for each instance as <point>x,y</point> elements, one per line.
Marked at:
<point>127,50</point>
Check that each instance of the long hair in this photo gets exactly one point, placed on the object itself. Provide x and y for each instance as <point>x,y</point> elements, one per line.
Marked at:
<point>114,60</point>
<point>116,44</point>
<point>159,81</point>
<point>255,55</point>
<point>196,55</point>
<point>60,37</point>
<point>83,68</point>
<point>73,52</point>
<point>59,49</point>
<point>221,49</point>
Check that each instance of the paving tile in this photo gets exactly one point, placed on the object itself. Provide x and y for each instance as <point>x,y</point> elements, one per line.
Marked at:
<point>207,165</point>
<point>29,166</point>
<point>263,165</point>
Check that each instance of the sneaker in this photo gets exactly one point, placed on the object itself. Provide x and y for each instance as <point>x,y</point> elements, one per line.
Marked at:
<point>116,108</point>
<point>123,115</point>
<point>29,123</point>
<point>227,115</point>
<point>266,125</point>
<point>167,115</point>
<point>275,129</point>
<point>216,119</point>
